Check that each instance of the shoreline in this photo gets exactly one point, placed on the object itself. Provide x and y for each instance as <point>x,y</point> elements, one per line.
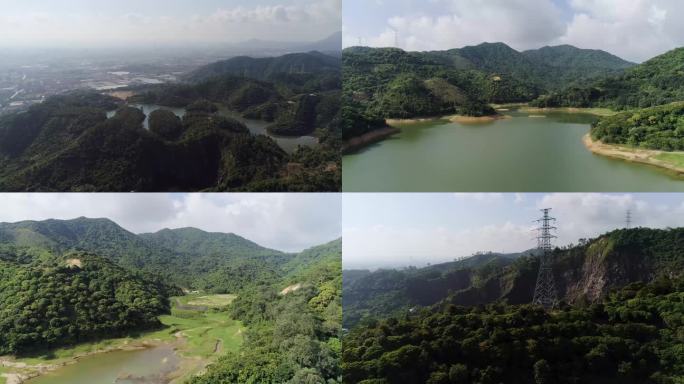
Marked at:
<point>356,143</point>
<point>37,370</point>
<point>643,156</point>
<point>603,112</point>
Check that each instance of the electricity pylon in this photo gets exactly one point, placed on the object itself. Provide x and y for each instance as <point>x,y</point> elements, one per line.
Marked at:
<point>545,289</point>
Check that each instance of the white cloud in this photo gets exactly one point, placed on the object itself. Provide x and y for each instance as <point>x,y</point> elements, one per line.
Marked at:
<point>522,23</point>
<point>288,222</point>
<point>636,30</point>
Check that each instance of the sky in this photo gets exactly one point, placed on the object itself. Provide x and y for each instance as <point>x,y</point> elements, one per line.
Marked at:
<point>399,230</point>
<point>635,30</point>
<point>288,222</point>
<point>50,23</point>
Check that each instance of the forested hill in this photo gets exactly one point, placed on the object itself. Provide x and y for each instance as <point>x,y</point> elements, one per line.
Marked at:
<point>295,325</point>
<point>633,336</point>
<point>49,300</point>
<point>655,82</point>
<point>391,83</point>
<point>269,68</point>
<point>190,258</point>
<point>584,273</point>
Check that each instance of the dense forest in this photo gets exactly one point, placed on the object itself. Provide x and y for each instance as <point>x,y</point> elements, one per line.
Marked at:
<point>391,83</point>
<point>294,335</point>
<point>72,281</point>
<point>469,321</point>
<point>49,300</point>
<point>635,335</point>
<point>71,143</point>
<point>655,82</point>
<point>584,273</point>
<point>660,127</point>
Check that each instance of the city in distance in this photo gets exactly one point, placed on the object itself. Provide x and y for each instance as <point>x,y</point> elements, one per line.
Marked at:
<point>513,96</point>
<point>513,288</point>
<point>168,96</point>
<point>160,289</point>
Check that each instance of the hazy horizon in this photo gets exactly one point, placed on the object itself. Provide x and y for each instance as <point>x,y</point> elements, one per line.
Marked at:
<point>635,31</point>
<point>406,229</point>
<point>77,24</point>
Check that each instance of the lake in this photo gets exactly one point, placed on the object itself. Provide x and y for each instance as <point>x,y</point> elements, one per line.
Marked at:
<point>147,366</point>
<point>524,153</point>
<point>256,127</point>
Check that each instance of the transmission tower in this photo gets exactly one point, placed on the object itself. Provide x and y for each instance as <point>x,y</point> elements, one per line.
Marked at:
<point>545,289</point>
<point>628,219</point>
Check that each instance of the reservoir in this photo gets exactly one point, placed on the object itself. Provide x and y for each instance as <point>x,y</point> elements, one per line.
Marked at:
<point>523,153</point>
<point>256,127</point>
<point>146,366</point>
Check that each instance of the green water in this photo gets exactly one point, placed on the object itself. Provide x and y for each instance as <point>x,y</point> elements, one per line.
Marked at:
<point>520,154</point>
<point>148,366</point>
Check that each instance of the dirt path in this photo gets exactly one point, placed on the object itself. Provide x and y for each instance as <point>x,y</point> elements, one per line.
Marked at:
<point>644,156</point>
<point>218,346</point>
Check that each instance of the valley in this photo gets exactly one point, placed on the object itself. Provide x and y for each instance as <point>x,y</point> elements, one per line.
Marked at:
<point>225,129</point>
<point>108,304</point>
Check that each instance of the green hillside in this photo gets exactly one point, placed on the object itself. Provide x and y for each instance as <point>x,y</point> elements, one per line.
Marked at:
<point>660,127</point>
<point>391,83</point>
<point>655,82</point>
<point>48,301</point>
<point>294,326</point>
<point>634,335</point>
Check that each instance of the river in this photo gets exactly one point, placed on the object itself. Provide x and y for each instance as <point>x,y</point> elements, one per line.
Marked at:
<point>524,153</point>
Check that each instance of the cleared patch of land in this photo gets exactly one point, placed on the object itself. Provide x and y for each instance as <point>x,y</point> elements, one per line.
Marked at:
<point>672,161</point>
<point>194,333</point>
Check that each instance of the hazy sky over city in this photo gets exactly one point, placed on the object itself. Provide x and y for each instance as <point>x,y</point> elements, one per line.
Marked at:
<point>632,29</point>
<point>383,230</point>
<point>287,222</point>
<point>45,23</point>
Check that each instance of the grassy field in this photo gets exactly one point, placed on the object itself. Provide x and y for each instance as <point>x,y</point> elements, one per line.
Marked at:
<point>198,334</point>
<point>211,301</point>
<point>676,159</point>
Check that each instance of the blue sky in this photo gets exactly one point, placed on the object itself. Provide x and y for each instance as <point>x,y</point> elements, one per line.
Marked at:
<point>633,29</point>
<point>383,230</point>
<point>88,22</point>
<point>288,222</point>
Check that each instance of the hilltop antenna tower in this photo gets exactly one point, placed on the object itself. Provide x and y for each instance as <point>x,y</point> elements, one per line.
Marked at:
<point>628,219</point>
<point>396,37</point>
<point>545,289</point>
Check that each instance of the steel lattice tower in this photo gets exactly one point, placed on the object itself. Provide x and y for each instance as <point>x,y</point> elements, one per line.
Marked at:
<point>628,219</point>
<point>545,289</point>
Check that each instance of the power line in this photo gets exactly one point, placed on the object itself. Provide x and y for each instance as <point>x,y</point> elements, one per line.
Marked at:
<point>545,290</point>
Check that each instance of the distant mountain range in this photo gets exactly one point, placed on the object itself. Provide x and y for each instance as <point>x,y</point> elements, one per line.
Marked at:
<point>391,83</point>
<point>188,257</point>
<point>266,68</point>
<point>256,47</point>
